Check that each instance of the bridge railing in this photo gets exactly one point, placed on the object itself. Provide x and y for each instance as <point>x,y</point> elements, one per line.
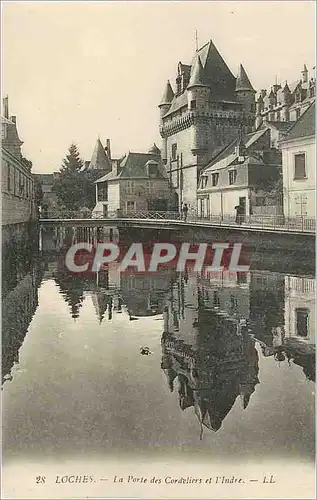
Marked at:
<point>296,223</point>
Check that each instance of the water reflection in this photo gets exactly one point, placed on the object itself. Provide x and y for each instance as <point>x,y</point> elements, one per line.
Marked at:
<point>217,333</point>
<point>22,271</point>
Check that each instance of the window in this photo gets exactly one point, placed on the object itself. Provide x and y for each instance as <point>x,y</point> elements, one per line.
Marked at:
<point>302,315</point>
<point>278,116</point>
<point>130,187</point>
<point>150,186</point>
<point>215,179</point>
<point>9,178</point>
<point>260,201</point>
<point>297,113</point>
<point>297,97</point>
<point>204,181</point>
<point>232,177</point>
<point>174,151</point>
<point>192,104</point>
<point>299,166</point>
<point>130,205</point>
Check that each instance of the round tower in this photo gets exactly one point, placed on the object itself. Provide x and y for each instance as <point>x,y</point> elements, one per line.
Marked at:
<point>245,93</point>
<point>198,94</point>
<point>164,106</point>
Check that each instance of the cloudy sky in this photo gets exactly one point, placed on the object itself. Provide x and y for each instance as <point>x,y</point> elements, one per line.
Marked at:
<point>76,70</point>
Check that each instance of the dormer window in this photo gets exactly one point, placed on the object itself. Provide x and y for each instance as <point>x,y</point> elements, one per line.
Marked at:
<point>297,97</point>
<point>215,179</point>
<point>192,105</point>
<point>152,169</point>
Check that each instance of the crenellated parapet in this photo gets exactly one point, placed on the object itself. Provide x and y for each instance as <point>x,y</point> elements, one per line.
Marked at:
<point>216,118</point>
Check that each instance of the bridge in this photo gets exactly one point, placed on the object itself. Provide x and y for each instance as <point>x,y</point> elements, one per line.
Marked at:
<point>269,224</point>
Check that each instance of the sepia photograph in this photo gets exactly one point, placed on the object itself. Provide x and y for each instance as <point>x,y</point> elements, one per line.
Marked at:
<point>158,185</point>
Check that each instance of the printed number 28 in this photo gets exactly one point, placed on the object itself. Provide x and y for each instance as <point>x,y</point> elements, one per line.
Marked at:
<point>40,479</point>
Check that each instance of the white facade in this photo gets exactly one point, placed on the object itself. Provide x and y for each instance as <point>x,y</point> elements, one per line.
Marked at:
<point>299,190</point>
<point>300,317</point>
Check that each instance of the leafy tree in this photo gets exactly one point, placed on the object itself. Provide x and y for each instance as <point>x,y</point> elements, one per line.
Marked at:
<point>90,187</point>
<point>70,183</point>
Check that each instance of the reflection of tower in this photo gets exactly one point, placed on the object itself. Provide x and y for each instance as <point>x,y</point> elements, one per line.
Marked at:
<point>210,353</point>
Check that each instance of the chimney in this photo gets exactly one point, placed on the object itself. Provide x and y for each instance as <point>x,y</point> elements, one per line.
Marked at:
<point>115,167</point>
<point>108,149</point>
<point>5,102</point>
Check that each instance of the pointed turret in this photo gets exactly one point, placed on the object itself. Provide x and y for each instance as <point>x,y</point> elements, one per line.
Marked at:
<point>168,95</point>
<point>99,159</point>
<point>243,83</point>
<point>196,76</point>
<point>286,89</point>
<point>154,150</point>
<point>245,93</point>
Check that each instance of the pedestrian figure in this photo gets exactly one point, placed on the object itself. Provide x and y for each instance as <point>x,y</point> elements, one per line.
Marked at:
<point>185,211</point>
<point>238,209</point>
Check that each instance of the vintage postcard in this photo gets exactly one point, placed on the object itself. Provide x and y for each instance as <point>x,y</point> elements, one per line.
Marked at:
<point>158,249</point>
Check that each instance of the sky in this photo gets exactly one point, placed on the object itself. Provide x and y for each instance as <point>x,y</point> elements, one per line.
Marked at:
<point>74,71</point>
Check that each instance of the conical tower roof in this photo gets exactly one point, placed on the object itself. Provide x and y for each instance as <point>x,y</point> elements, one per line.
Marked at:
<point>154,150</point>
<point>99,159</point>
<point>243,82</point>
<point>168,94</point>
<point>286,89</point>
<point>196,75</point>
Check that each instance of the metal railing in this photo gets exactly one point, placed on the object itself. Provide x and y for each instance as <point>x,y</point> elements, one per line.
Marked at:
<point>275,222</point>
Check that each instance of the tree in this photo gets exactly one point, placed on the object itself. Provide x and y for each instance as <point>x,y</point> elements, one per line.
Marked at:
<point>69,184</point>
<point>90,187</point>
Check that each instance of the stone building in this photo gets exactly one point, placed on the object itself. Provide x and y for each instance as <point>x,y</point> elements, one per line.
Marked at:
<point>49,202</point>
<point>244,174</point>
<point>286,102</point>
<point>205,112</point>
<point>299,166</point>
<point>138,182</point>
<point>17,181</point>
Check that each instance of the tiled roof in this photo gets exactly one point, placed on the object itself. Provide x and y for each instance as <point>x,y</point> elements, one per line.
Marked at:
<point>134,165</point>
<point>214,73</point>
<point>243,82</point>
<point>217,75</point>
<point>305,125</point>
<point>196,76</point>
<point>168,94</point>
<point>228,155</point>
<point>99,159</point>
<point>178,102</point>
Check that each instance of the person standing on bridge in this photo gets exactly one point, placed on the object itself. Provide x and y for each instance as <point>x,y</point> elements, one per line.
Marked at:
<point>185,211</point>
